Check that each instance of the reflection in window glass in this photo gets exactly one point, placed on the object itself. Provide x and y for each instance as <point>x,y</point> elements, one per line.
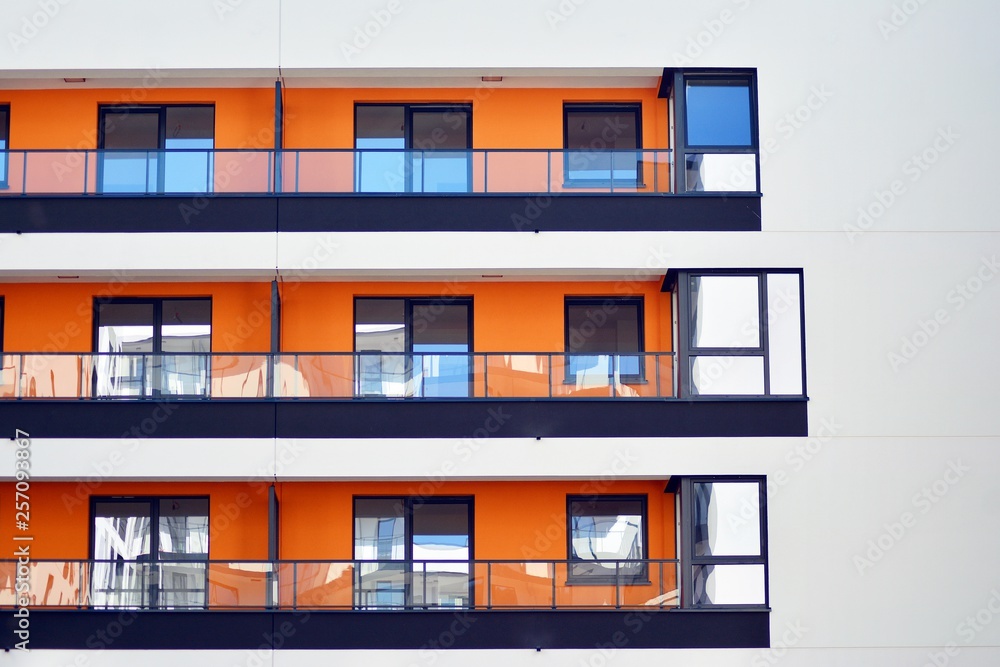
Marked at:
<point>736,584</point>
<point>606,529</point>
<point>602,142</point>
<point>721,172</point>
<point>718,113</point>
<point>727,519</point>
<point>725,312</point>
<point>784,331</point>
<point>596,330</point>
<point>727,375</point>
<point>4,129</point>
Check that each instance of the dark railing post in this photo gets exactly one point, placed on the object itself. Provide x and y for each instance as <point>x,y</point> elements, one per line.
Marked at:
<point>82,589</point>
<point>486,377</point>
<point>24,172</point>
<point>548,174</point>
<point>298,167</point>
<point>86,170</point>
<point>489,583</point>
<point>554,583</point>
<point>295,585</point>
<point>618,584</point>
<point>549,356</point>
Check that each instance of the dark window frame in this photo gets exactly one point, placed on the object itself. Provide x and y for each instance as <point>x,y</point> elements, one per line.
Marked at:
<point>408,303</point>
<point>576,578</point>
<point>609,107</point>
<point>408,503</point>
<point>639,302</point>
<point>683,488</point>
<point>408,110</point>
<point>678,281</point>
<point>154,538</point>
<point>2,323</point>
<point>157,324</point>
<point>161,111</point>
<point>678,92</point>
<point>5,151</point>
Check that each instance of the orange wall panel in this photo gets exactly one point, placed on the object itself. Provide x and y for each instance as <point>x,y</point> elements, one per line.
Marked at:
<point>59,317</point>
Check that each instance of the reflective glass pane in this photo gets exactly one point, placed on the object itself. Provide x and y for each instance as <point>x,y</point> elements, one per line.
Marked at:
<point>189,128</point>
<point>121,530</point>
<point>441,328</point>
<point>784,331</point>
<point>183,529</point>
<point>4,115</point>
<point>727,519</point>
<point>718,113</point>
<point>599,336</point>
<point>720,172</point>
<point>135,170</point>
<point>601,143</point>
<point>125,339</point>
<point>439,142</point>
<point>606,529</point>
<point>379,331</point>
<point>379,529</point>
<point>728,584</point>
<point>381,128</point>
<point>725,312</point>
<point>727,376</point>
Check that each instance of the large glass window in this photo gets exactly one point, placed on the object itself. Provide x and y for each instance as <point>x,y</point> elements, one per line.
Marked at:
<point>4,134</point>
<point>716,121</point>
<point>413,347</point>
<point>412,148</point>
<point>741,333</point>
<point>604,339</point>
<point>149,552</point>
<point>152,347</point>
<point>156,148</point>
<point>725,537</point>
<point>607,537</point>
<point>413,552</point>
<point>602,142</point>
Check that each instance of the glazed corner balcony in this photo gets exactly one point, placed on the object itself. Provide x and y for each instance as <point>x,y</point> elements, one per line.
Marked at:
<point>427,605</point>
<point>323,395</point>
<point>375,189</point>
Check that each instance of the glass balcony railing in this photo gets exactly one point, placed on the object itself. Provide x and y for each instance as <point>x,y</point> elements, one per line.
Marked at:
<point>336,171</point>
<point>357,585</point>
<point>335,375</point>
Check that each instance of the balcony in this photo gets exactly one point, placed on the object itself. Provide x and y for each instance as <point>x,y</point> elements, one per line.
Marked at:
<point>348,189</point>
<point>367,604</point>
<point>315,395</point>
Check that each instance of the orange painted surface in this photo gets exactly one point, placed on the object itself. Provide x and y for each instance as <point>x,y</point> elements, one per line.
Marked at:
<point>60,514</point>
<point>506,316</point>
<point>501,117</point>
<point>59,317</point>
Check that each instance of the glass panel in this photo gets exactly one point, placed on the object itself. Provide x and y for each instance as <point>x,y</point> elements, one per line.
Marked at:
<point>189,128</point>
<point>727,376</point>
<point>379,535</point>
<point>379,328</point>
<point>718,113</point>
<point>124,333</point>
<point>601,144</point>
<point>134,171</point>
<point>725,312</point>
<point>441,328</point>
<point>435,167</point>
<point>381,128</point>
<point>728,584</point>
<point>122,537</point>
<point>521,584</point>
<point>183,529</point>
<point>606,529</point>
<point>784,333</point>
<point>441,533</point>
<point>727,519</point>
<point>611,327</point>
<point>721,172</point>
<point>186,328</point>
<point>4,113</point>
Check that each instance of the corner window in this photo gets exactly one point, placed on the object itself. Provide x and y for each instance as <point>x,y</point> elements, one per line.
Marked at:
<point>152,347</point>
<point>607,538</point>
<point>412,148</point>
<point>741,333</point>
<point>604,340</point>
<point>156,149</point>
<point>716,121</point>
<point>4,147</point>
<point>413,347</point>
<point>412,552</point>
<point>603,143</point>
<point>149,552</point>
<point>724,534</point>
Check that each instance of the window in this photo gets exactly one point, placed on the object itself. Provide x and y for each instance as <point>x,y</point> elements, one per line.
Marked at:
<point>413,552</point>
<point>607,538</point>
<point>602,144</point>
<point>149,552</point>
<point>156,148</point>
<point>716,120</point>
<point>741,332</point>
<point>604,340</point>
<point>412,148</point>
<point>4,147</point>
<point>724,533</point>
<point>413,347</point>
<point>152,347</point>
